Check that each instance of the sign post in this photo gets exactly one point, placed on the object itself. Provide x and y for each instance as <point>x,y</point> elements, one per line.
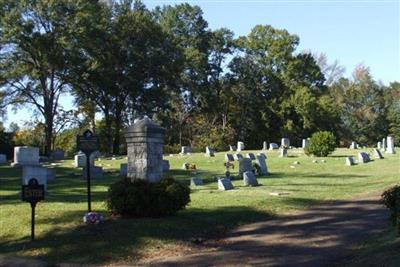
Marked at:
<point>33,192</point>
<point>88,143</point>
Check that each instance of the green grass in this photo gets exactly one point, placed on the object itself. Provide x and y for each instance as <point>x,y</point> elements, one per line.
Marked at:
<point>382,251</point>
<point>61,236</point>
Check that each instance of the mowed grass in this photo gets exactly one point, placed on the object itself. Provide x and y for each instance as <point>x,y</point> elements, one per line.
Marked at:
<point>62,237</point>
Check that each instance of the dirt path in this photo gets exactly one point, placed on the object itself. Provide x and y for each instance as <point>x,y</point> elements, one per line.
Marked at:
<point>320,236</point>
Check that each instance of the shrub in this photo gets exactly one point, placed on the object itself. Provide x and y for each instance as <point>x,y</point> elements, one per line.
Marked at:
<point>321,144</point>
<point>143,199</point>
<point>391,199</point>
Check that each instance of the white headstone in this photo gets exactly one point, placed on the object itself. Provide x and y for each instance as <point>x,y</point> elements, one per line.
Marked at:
<point>80,160</point>
<point>390,145</point>
<point>384,144</point>
<point>265,145</point>
<point>237,156</point>
<point>250,156</point>
<point>379,145</point>
<point>3,159</point>
<point>349,161</point>
<point>240,146</point>
<point>185,150</point>
<point>245,165</point>
<point>232,148</point>
<point>25,155</point>
<point>353,145</point>
<point>285,143</point>
<point>209,152</point>
<point>229,157</point>
<point>225,184</point>
<point>262,155</point>
<point>273,146</point>
<point>249,179</point>
<point>363,157</point>
<point>196,181</point>
<point>305,143</point>
<point>283,153</point>
<point>377,154</point>
<point>42,174</point>
<point>260,161</point>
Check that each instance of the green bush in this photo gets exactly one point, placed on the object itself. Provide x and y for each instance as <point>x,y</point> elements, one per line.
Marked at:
<point>143,199</point>
<point>391,199</point>
<point>321,144</point>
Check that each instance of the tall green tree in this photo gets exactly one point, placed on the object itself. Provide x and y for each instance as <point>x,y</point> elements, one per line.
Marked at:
<point>34,56</point>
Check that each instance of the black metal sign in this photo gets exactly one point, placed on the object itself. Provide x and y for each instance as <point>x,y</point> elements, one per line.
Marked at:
<point>33,192</point>
<point>88,143</point>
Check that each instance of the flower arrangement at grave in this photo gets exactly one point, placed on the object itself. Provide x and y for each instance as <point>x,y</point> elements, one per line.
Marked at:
<point>228,165</point>
<point>93,218</point>
<point>190,166</point>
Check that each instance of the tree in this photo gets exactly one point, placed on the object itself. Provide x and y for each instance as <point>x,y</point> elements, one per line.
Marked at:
<point>34,56</point>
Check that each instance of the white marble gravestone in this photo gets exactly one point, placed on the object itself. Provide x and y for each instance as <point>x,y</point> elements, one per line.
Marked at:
<point>26,155</point>
<point>240,146</point>
<point>349,161</point>
<point>245,165</point>
<point>249,179</point>
<point>283,153</point>
<point>379,145</point>
<point>80,160</point>
<point>229,157</point>
<point>237,156</point>
<point>209,152</point>
<point>261,163</point>
<point>377,154</point>
<point>265,145</point>
<point>285,143</point>
<point>353,145</point>
<point>232,148</point>
<point>42,174</point>
<point>390,145</point>
<point>363,157</point>
<point>250,156</point>
<point>262,155</point>
<point>225,184</point>
<point>186,150</point>
<point>305,143</point>
<point>273,146</point>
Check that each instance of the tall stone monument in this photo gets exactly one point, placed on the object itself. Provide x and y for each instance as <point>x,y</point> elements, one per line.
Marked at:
<point>390,145</point>
<point>145,141</point>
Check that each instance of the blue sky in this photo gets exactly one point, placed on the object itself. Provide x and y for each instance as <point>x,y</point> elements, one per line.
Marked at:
<point>352,32</point>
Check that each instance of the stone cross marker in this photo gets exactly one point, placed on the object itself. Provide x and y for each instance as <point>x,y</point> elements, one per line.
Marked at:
<point>145,141</point>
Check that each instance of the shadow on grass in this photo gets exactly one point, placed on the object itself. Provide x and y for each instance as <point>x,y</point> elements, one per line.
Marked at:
<point>122,239</point>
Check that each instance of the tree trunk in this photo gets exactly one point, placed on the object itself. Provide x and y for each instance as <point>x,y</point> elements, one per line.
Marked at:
<point>117,132</point>
<point>48,135</point>
<point>109,133</point>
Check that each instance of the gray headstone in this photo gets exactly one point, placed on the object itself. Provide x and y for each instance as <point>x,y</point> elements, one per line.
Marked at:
<point>260,161</point>
<point>283,153</point>
<point>363,157</point>
<point>3,159</point>
<point>80,160</point>
<point>244,166</point>
<point>145,141</point>
<point>95,172</point>
<point>237,156</point>
<point>377,154</point>
<point>285,143</point>
<point>390,145</point>
<point>353,145</point>
<point>123,170</point>
<point>273,146</point>
<point>250,156</point>
<point>25,155</point>
<point>240,146</point>
<point>262,155</point>
<point>185,150</point>
<point>229,157</point>
<point>384,144</point>
<point>196,181</point>
<point>165,165</point>
<point>305,143</point>
<point>42,174</point>
<point>249,179</point>
<point>225,184</point>
<point>58,154</point>
<point>209,152</point>
<point>232,148</point>
<point>349,161</point>
<point>265,145</point>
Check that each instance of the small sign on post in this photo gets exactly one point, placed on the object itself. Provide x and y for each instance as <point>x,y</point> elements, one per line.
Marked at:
<point>88,143</point>
<point>33,192</point>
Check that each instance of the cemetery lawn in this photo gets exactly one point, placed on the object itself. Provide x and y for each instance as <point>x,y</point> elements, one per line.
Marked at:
<point>62,237</point>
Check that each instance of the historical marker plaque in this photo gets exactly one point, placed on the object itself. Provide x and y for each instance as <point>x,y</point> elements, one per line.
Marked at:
<point>33,192</point>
